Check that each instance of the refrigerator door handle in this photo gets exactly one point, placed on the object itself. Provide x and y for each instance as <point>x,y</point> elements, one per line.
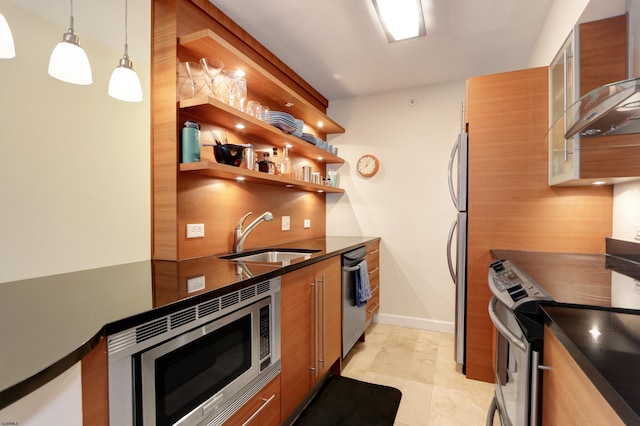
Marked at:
<point>452,271</point>
<point>452,157</point>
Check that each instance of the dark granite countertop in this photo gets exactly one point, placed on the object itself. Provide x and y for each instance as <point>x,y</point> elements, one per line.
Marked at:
<point>606,346</point>
<point>594,291</point>
<point>47,324</point>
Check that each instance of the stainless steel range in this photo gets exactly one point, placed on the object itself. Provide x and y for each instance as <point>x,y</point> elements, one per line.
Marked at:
<point>513,309</point>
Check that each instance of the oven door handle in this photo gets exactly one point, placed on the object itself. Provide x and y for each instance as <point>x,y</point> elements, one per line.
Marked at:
<point>503,329</point>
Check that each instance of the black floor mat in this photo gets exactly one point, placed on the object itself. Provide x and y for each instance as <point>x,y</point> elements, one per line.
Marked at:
<point>344,402</point>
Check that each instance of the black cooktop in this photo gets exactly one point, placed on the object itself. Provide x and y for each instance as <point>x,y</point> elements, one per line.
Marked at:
<point>604,280</point>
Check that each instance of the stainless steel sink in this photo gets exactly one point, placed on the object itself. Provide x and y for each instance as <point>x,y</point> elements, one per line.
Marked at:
<point>282,256</point>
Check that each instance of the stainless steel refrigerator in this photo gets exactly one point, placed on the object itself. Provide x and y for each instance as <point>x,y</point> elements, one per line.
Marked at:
<point>457,240</point>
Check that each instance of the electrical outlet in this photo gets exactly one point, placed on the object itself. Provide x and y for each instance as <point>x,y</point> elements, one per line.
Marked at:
<point>195,230</point>
<point>307,223</point>
<point>636,232</point>
<point>286,223</point>
<point>195,284</point>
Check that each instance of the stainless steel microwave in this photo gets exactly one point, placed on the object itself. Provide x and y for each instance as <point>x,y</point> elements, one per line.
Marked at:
<point>204,373</point>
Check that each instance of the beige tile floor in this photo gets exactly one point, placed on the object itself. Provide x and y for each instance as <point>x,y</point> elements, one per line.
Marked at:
<point>420,363</point>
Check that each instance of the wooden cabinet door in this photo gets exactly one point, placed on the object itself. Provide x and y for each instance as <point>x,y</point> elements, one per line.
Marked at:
<point>568,396</point>
<point>330,313</point>
<point>297,331</point>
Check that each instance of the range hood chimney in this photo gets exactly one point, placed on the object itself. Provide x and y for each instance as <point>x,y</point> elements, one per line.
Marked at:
<point>613,109</point>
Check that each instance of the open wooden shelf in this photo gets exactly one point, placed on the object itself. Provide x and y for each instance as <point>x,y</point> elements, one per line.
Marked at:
<point>223,171</point>
<point>262,84</point>
<point>210,110</point>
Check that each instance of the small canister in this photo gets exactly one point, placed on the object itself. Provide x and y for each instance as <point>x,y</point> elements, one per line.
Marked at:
<point>316,178</point>
<point>190,142</point>
<point>306,173</point>
<point>249,158</point>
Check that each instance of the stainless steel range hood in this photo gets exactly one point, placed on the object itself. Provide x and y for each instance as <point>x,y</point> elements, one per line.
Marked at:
<point>609,110</point>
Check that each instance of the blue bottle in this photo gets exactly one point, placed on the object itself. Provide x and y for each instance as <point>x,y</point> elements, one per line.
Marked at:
<point>190,142</point>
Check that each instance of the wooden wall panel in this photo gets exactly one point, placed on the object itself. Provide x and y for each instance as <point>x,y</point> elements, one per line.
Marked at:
<point>95,387</point>
<point>510,204</point>
<point>219,204</point>
<point>603,58</point>
<point>164,157</point>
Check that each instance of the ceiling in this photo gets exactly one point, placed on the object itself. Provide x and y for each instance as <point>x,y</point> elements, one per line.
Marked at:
<point>338,46</point>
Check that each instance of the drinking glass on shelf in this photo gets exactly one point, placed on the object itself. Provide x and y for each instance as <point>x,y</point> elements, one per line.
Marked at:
<point>212,67</point>
<point>241,93</point>
<point>263,113</point>
<point>194,73</point>
<point>230,82</point>
<point>253,108</point>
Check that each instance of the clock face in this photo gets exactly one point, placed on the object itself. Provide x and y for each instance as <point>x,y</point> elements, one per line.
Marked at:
<point>368,165</point>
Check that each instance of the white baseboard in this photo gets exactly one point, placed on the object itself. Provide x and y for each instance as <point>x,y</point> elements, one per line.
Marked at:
<point>413,322</point>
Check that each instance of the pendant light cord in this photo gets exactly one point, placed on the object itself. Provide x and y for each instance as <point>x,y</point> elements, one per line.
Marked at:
<point>126,45</point>
<point>71,18</point>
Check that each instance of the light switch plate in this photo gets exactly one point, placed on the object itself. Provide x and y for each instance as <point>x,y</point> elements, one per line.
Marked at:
<point>195,284</point>
<point>307,223</point>
<point>636,232</point>
<point>286,223</point>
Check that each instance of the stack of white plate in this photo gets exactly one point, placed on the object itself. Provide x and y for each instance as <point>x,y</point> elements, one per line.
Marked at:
<point>282,121</point>
<point>308,137</point>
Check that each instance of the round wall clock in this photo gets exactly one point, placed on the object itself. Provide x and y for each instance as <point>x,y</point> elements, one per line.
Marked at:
<point>368,165</point>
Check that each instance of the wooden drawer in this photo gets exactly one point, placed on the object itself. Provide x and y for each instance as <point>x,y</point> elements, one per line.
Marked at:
<point>373,304</point>
<point>263,409</point>
<point>373,253</point>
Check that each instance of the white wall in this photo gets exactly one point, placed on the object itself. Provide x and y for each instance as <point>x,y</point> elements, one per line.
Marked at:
<point>74,173</point>
<point>407,203</point>
<point>59,402</point>
<point>75,163</point>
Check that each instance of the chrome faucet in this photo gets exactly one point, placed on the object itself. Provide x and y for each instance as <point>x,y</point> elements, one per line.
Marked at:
<point>241,236</point>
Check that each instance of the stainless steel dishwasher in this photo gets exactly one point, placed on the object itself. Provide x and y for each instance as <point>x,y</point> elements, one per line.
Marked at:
<point>353,317</point>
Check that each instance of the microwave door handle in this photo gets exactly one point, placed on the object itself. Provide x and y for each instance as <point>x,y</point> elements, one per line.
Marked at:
<point>452,191</point>
<point>502,329</point>
<point>454,225</point>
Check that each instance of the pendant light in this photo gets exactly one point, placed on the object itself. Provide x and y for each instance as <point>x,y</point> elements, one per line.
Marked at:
<point>124,83</point>
<point>68,60</point>
<point>7,48</point>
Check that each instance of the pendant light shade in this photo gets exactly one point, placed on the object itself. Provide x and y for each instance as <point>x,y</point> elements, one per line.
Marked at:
<point>124,84</point>
<point>7,48</point>
<point>68,60</point>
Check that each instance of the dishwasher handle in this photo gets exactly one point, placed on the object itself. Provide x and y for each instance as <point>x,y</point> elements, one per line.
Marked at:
<point>351,268</point>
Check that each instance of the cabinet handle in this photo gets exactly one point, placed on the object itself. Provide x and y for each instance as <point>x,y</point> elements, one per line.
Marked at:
<point>374,270</point>
<point>315,330</point>
<point>324,300</point>
<point>265,402</point>
<point>373,308</point>
<point>375,289</point>
<point>372,252</point>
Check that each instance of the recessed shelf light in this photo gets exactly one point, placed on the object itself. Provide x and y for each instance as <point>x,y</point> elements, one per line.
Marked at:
<point>320,124</point>
<point>239,126</point>
<point>240,178</point>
